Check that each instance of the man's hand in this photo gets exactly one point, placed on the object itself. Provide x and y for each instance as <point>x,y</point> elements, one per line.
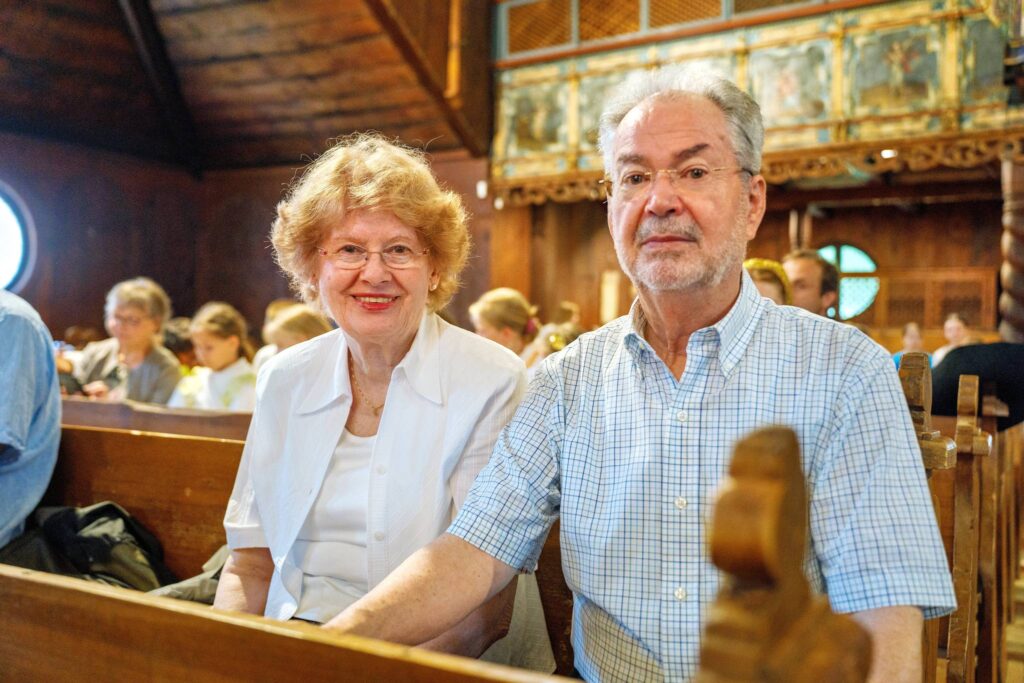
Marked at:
<point>895,643</point>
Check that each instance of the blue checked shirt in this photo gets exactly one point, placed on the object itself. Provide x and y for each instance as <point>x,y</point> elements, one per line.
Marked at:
<point>630,459</point>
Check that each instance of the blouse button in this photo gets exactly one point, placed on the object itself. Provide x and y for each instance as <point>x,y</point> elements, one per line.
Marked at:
<point>379,536</point>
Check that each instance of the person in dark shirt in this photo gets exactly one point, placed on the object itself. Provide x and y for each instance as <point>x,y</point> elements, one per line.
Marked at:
<point>1000,364</point>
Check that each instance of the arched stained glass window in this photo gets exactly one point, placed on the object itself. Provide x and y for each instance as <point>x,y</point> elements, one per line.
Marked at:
<point>14,243</point>
<point>856,292</point>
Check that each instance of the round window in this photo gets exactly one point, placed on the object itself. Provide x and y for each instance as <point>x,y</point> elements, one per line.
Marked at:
<point>13,243</point>
<point>856,291</point>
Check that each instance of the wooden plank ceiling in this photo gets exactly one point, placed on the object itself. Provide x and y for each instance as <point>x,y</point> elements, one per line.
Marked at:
<point>242,83</point>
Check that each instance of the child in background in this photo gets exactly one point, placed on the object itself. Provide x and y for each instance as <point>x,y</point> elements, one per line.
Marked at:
<point>294,325</point>
<point>178,340</point>
<point>227,380</point>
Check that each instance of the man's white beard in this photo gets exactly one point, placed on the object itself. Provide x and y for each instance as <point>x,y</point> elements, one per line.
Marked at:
<point>671,271</point>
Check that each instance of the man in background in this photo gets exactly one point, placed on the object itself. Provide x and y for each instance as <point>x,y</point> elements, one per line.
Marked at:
<point>815,281</point>
<point>29,413</point>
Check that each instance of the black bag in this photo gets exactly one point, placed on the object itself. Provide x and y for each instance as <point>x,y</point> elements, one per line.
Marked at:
<point>101,542</point>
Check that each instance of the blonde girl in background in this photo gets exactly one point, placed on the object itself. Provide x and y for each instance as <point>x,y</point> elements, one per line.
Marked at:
<point>294,325</point>
<point>770,279</point>
<point>226,381</point>
<point>504,315</point>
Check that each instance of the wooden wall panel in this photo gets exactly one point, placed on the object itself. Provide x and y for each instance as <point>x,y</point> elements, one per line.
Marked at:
<point>571,247</point>
<point>234,259</point>
<point>943,235</point>
<point>100,218</point>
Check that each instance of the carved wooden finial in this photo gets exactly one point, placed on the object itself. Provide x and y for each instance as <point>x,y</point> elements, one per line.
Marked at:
<point>938,452</point>
<point>764,624</point>
<point>969,436</point>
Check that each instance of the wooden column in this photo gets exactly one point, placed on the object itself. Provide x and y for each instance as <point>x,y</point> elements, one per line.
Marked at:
<point>1011,275</point>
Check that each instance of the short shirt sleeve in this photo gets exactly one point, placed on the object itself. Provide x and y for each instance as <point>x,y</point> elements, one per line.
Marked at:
<point>515,500</point>
<point>872,520</point>
<point>25,373</point>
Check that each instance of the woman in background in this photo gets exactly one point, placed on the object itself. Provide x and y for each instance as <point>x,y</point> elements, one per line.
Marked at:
<point>770,279</point>
<point>226,381</point>
<point>132,364</point>
<point>956,333</point>
<point>912,341</point>
<point>504,316</point>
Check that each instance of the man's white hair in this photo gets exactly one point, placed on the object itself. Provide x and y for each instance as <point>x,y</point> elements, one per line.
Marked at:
<point>741,111</point>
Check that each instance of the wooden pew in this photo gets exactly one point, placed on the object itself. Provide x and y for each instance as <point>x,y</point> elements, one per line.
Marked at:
<point>938,453</point>
<point>177,486</point>
<point>998,553</point>
<point>765,625</point>
<point>960,521</point>
<point>60,628</point>
<point>146,417</point>
<point>57,628</point>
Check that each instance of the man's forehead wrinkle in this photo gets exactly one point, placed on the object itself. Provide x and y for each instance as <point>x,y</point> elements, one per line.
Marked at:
<point>629,157</point>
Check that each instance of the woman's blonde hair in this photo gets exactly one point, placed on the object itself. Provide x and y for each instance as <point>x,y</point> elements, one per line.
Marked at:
<point>365,171</point>
<point>298,320</point>
<point>766,270</point>
<point>506,307</point>
<point>223,320</point>
<point>142,293</point>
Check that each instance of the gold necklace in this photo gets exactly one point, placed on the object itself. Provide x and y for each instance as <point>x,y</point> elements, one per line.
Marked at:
<point>376,409</point>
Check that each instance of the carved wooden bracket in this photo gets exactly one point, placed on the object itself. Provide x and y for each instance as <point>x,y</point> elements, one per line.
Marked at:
<point>961,150</point>
<point>937,451</point>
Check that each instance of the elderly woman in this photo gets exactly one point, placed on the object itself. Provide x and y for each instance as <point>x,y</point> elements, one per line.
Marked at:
<point>132,364</point>
<point>365,440</point>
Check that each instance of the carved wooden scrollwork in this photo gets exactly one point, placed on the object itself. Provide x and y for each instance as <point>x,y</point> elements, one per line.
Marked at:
<point>965,150</point>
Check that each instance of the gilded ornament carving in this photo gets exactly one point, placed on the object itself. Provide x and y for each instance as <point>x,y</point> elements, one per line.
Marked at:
<point>963,151</point>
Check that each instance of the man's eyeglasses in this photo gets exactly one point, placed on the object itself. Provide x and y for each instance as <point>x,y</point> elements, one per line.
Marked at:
<point>352,256</point>
<point>693,180</point>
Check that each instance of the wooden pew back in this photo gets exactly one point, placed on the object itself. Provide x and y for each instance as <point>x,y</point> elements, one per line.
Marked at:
<point>146,417</point>
<point>177,486</point>
<point>57,628</point>
<point>765,625</point>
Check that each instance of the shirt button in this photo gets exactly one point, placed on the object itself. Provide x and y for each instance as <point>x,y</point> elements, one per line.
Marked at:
<point>379,536</point>
<point>382,470</point>
<point>680,594</point>
<point>680,502</point>
<point>681,416</point>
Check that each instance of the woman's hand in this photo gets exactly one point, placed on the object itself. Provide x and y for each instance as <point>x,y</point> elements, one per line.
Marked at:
<point>97,389</point>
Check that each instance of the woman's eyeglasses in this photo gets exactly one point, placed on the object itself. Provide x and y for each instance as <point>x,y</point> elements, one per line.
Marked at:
<point>351,256</point>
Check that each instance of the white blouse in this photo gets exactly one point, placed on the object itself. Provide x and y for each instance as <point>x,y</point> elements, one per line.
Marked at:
<point>447,402</point>
<point>331,547</point>
<point>230,388</point>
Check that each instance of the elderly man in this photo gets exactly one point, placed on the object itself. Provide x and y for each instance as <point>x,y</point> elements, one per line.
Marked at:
<point>627,432</point>
<point>815,281</point>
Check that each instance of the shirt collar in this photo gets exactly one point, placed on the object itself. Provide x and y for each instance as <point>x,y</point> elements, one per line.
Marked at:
<point>733,332</point>
<point>421,367</point>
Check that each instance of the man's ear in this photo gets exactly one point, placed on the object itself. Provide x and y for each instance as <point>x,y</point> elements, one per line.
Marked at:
<point>757,202</point>
<point>829,299</point>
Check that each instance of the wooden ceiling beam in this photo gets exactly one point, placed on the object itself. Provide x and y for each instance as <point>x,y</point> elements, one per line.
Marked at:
<point>391,21</point>
<point>153,54</point>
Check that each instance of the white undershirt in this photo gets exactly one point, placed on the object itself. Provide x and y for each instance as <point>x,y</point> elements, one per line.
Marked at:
<point>331,547</point>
